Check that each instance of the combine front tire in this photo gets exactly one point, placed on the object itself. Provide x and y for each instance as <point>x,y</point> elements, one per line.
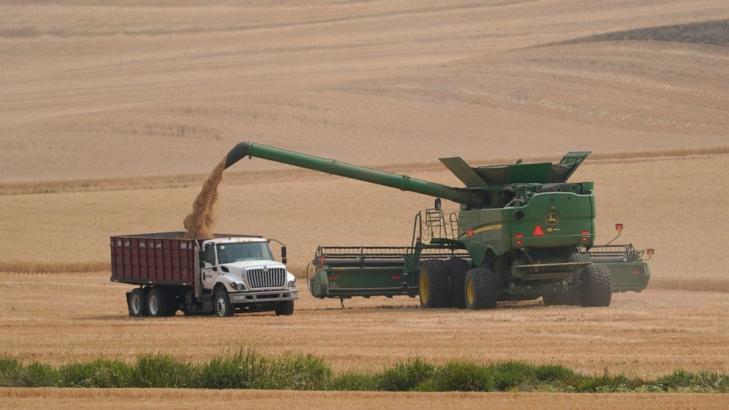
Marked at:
<point>137,302</point>
<point>457,269</point>
<point>482,288</point>
<point>434,285</point>
<point>595,287</point>
<point>285,308</point>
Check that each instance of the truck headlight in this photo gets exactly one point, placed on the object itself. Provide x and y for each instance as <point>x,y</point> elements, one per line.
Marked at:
<point>291,283</point>
<point>239,286</point>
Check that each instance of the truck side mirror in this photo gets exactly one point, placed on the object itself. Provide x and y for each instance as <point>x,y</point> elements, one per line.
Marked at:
<point>283,254</point>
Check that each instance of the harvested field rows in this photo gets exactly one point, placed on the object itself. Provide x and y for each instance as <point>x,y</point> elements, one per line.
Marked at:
<point>162,89</point>
<point>640,334</point>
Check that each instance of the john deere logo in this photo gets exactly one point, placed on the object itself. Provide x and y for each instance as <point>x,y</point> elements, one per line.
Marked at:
<point>552,218</point>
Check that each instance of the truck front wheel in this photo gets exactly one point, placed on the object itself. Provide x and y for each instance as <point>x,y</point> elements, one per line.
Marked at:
<point>285,308</point>
<point>221,300</point>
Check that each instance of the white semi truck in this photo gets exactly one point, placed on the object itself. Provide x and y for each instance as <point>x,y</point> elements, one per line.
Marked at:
<point>221,275</point>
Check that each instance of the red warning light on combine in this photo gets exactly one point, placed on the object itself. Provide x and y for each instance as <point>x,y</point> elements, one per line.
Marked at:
<point>619,227</point>
<point>469,233</point>
<point>538,231</point>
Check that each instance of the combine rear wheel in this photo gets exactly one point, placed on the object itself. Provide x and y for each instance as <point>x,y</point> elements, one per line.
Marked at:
<point>482,288</point>
<point>595,287</point>
<point>434,285</point>
<point>137,302</point>
<point>457,269</point>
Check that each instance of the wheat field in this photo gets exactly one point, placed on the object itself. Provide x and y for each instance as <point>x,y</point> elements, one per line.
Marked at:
<point>113,114</point>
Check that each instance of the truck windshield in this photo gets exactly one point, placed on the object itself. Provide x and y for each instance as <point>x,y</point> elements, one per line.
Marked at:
<point>243,251</point>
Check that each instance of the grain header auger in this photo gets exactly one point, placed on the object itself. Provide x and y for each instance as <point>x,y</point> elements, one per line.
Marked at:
<point>522,232</point>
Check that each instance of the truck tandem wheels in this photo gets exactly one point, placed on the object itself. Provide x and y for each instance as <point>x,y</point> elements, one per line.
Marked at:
<point>155,302</point>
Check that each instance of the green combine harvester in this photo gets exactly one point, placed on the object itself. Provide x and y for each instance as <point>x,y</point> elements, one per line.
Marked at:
<point>522,232</point>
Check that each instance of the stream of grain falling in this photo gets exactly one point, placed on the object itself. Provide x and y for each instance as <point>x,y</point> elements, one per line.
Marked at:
<point>198,223</point>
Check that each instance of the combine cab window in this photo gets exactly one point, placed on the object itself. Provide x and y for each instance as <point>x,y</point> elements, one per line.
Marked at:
<point>244,251</point>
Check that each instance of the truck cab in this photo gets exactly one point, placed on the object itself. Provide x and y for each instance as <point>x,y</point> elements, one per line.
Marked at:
<point>241,273</point>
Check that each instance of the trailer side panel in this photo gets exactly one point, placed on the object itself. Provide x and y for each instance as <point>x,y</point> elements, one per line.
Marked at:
<point>153,259</point>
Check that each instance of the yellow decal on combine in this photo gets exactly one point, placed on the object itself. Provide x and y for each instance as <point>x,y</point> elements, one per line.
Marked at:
<point>482,229</point>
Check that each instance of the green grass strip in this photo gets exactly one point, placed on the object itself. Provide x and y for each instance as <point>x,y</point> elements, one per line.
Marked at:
<point>248,370</point>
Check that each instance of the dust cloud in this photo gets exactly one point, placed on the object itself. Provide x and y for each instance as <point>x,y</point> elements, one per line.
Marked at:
<point>198,223</point>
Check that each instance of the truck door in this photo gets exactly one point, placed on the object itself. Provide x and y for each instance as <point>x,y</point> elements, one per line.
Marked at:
<point>208,270</point>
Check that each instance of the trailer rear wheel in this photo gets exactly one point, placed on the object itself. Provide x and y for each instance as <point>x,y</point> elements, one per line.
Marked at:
<point>285,308</point>
<point>595,287</point>
<point>137,302</point>
<point>482,288</point>
<point>222,304</point>
<point>434,285</point>
<point>157,302</point>
<point>457,270</point>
